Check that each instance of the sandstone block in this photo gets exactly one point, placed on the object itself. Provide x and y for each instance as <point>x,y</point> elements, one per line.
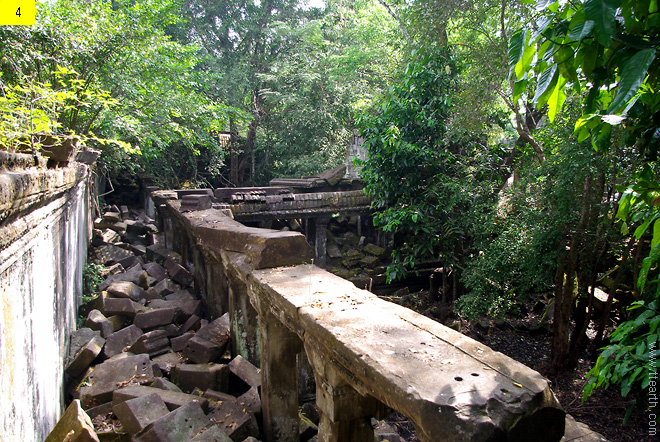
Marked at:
<point>137,228</point>
<point>185,308</point>
<point>164,287</point>
<point>167,361</point>
<point>85,357</point>
<point>195,202</point>
<point>153,343</point>
<point>97,321</point>
<point>213,434</point>
<point>245,371</point>
<point>202,350</point>
<point>178,273</point>
<point>156,271</point>
<point>110,375</point>
<point>110,254</point>
<point>179,425</point>
<point>202,376</point>
<point>74,426</point>
<point>135,414</point>
<point>234,421</point>
<point>122,339</point>
<point>159,253</point>
<point>250,401</point>
<point>154,318</point>
<point>79,338</point>
<point>179,343</point>
<point>121,306</point>
<point>192,323</point>
<point>172,399</point>
<point>164,384</point>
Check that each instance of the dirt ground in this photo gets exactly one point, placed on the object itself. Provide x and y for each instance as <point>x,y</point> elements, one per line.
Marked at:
<point>603,412</point>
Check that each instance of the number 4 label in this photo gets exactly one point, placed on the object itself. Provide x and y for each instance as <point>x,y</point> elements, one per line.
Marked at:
<point>17,12</point>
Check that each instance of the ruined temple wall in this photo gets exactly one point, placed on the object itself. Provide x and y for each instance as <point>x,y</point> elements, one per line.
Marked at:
<point>44,229</point>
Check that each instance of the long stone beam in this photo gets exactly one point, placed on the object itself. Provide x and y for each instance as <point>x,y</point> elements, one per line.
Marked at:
<point>366,351</point>
<point>452,387</point>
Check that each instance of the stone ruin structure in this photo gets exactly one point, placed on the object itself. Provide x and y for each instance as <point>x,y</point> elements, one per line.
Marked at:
<point>288,325</point>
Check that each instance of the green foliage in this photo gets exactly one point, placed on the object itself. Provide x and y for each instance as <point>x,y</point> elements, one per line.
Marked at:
<point>631,358</point>
<point>92,278</point>
<point>415,181</point>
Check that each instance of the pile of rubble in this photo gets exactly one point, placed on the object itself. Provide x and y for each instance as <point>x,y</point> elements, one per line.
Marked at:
<point>146,366</point>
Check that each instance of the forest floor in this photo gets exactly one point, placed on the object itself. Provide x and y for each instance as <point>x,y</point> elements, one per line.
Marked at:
<point>603,412</point>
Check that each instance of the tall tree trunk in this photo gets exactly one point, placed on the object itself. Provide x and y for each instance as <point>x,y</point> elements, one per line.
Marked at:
<point>233,153</point>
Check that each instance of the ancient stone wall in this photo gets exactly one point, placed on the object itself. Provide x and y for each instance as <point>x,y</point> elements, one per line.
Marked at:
<point>44,229</point>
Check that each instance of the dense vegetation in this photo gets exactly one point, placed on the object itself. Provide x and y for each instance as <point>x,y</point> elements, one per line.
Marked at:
<point>515,141</point>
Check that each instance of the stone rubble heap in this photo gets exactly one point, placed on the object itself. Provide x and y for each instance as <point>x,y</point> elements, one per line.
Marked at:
<point>147,366</point>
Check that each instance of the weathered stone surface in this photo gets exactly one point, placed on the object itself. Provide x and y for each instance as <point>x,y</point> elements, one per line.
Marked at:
<point>234,421</point>
<point>159,253</point>
<point>264,248</point>
<point>171,329</point>
<point>391,349</point>
<point>250,401</point>
<point>374,250</point>
<point>79,338</point>
<point>192,323</point>
<point>195,202</point>
<point>384,432</point>
<point>153,343</point>
<point>179,273</point>
<point>579,432</point>
<point>121,306</point>
<point>164,384</point>
<point>154,318</point>
<point>164,287</point>
<point>111,375</point>
<point>97,321</point>
<point>213,434</point>
<point>109,254</point>
<point>156,271</point>
<point>210,342</point>
<point>135,274</point>
<point>85,357</point>
<point>185,308</point>
<point>167,361</point>
<point>179,343</point>
<point>137,228</point>
<point>202,376</point>
<point>126,289</point>
<point>112,217</point>
<point>179,425</point>
<point>172,399</point>
<point>74,426</point>
<point>245,371</point>
<point>120,340</point>
<point>181,295</point>
<point>136,414</point>
<point>308,429</point>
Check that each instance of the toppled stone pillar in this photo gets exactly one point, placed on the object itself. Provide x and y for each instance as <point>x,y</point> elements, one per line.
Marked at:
<point>279,348</point>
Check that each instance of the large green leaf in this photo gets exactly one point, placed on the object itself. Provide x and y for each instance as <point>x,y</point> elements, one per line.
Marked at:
<point>633,72</point>
<point>581,30</point>
<point>523,64</point>
<point>517,47</point>
<point>543,83</point>
<point>556,99</point>
<point>602,13</point>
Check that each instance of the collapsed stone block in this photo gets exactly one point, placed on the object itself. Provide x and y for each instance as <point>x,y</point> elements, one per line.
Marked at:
<point>122,339</point>
<point>153,343</point>
<point>159,253</point>
<point>245,371</point>
<point>135,414</point>
<point>164,287</point>
<point>126,289</point>
<point>213,434</point>
<point>202,376</point>
<point>192,323</point>
<point>167,361</point>
<point>85,356</point>
<point>179,343</point>
<point>154,318</point>
<point>156,271</point>
<point>79,338</point>
<point>121,306</point>
<point>250,401</point>
<point>179,425</point>
<point>74,426</point>
<point>137,228</point>
<point>210,342</point>
<point>172,399</point>
<point>234,421</point>
<point>110,375</point>
<point>185,307</point>
<point>164,384</point>
<point>109,254</point>
<point>97,321</point>
<point>179,273</point>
